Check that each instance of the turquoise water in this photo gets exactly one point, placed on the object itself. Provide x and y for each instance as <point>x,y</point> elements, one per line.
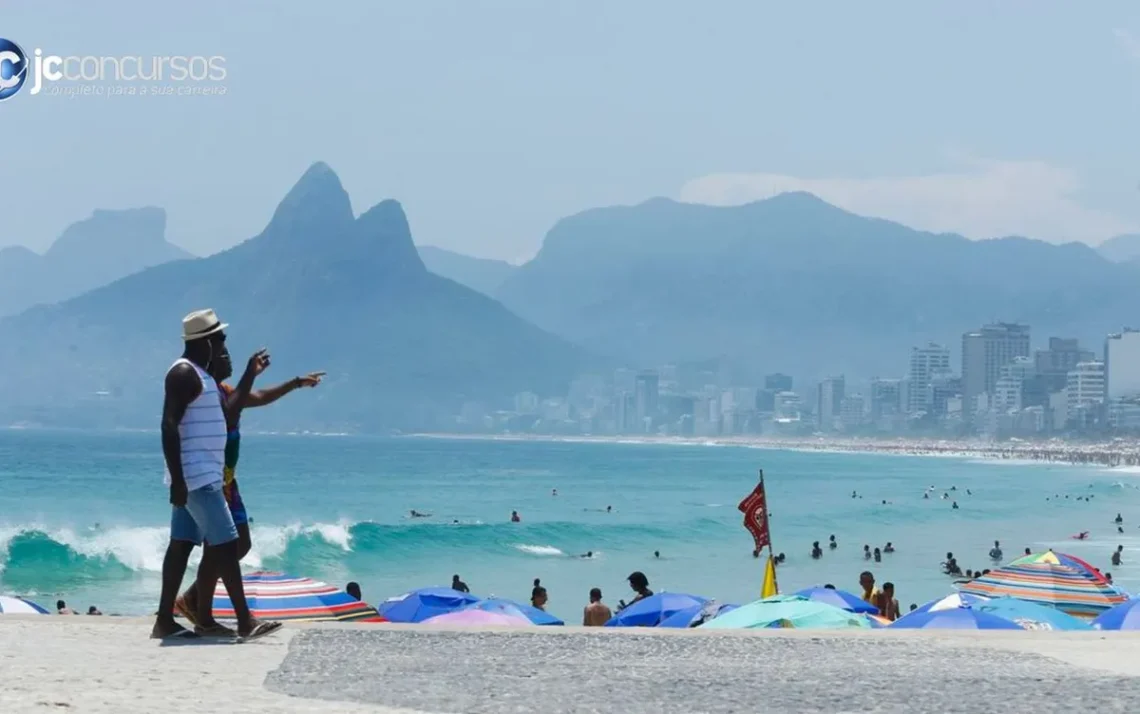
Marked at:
<point>83,516</point>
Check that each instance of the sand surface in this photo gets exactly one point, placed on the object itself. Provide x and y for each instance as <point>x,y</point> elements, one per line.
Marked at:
<point>97,665</point>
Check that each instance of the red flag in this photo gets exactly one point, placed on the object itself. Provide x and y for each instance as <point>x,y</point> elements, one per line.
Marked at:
<point>755,510</point>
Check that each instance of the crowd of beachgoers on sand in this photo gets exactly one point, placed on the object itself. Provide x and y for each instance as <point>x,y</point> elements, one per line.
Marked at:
<point>1113,454</point>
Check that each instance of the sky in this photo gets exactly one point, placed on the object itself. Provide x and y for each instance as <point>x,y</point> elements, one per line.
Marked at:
<point>491,119</point>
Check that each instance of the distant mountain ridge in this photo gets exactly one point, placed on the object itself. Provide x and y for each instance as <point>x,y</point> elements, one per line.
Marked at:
<point>795,284</point>
<point>89,254</point>
<point>1121,249</point>
<point>323,289</point>
<point>482,274</point>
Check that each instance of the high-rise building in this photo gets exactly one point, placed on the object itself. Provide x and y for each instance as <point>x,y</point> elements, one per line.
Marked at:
<point>778,382</point>
<point>925,363</point>
<point>984,353</point>
<point>1122,365</point>
<point>851,412</point>
<point>1054,364</point>
<point>646,397</point>
<point>1085,389</point>
<point>886,398</point>
<point>829,402</point>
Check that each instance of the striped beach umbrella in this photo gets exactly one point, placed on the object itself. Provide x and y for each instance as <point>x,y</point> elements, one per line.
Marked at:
<point>277,596</point>
<point>1055,579</point>
<point>12,605</point>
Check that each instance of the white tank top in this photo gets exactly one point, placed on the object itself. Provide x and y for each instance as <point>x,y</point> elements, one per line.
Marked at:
<point>203,434</point>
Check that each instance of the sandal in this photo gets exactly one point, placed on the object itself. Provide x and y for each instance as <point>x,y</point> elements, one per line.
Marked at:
<point>262,629</point>
<point>214,630</point>
<point>184,610</point>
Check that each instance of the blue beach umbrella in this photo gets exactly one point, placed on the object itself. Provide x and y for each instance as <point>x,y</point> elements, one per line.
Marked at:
<point>959,618</point>
<point>788,611</point>
<point>686,617</point>
<point>1030,615</point>
<point>838,598</point>
<point>650,611</point>
<point>1125,616</point>
<point>504,606</point>
<point>419,605</point>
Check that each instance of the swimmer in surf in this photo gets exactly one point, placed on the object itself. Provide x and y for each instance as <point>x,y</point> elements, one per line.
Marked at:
<point>515,517</point>
<point>417,514</point>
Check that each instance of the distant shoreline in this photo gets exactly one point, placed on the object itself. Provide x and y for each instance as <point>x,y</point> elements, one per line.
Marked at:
<point>1111,454</point>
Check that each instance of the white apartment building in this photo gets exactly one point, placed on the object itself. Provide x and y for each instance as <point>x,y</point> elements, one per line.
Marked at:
<point>1085,387</point>
<point>1122,365</point>
<point>925,363</point>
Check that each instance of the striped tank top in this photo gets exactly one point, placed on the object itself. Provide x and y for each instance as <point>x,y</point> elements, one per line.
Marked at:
<point>203,434</point>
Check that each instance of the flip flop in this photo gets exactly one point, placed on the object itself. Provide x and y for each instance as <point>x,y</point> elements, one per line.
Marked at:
<point>180,633</point>
<point>215,630</point>
<point>185,611</point>
<point>263,629</point>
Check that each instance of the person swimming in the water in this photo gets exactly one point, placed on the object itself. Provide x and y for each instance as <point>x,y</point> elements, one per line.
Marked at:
<point>831,544</point>
<point>515,517</point>
<point>417,514</point>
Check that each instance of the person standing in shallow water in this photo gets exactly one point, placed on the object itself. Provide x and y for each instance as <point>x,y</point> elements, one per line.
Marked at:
<point>221,370</point>
<point>193,446</point>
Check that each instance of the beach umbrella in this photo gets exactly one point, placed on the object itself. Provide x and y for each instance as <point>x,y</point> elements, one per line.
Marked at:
<point>788,611</point>
<point>12,605</point>
<point>1125,616</point>
<point>959,618</point>
<point>419,605</point>
<point>510,607</point>
<point>1055,579</point>
<point>478,618</point>
<point>950,602</point>
<point>1030,615</point>
<point>278,596</point>
<point>839,598</point>
<point>650,611</point>
<point>696,614</point>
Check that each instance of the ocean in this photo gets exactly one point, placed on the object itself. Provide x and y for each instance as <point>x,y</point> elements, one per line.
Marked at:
<point>84,515</point>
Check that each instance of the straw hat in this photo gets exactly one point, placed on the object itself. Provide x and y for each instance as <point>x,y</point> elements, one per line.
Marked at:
<point>201,323</point>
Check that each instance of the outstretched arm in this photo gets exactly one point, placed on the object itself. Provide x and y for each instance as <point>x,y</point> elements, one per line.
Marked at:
<point>182,387</point>
<point>265,397</point>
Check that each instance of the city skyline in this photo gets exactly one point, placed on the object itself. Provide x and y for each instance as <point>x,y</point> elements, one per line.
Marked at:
<point>1060,387</point>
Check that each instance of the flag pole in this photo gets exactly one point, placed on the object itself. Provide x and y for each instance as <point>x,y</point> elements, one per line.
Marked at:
<point>771,549</point>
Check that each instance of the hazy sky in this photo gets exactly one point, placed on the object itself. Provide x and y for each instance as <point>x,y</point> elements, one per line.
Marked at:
<point>490,120</point>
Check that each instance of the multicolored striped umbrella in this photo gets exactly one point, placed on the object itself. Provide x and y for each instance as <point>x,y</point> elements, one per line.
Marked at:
<point>1069,584</point>
<point>12,605</point>
<point>277,596</point>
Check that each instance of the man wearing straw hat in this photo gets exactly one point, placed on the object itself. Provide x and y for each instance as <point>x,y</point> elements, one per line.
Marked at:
<point>193,444</point>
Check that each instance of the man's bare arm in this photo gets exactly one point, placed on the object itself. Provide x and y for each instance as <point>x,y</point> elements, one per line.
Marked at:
<point>265,397</point>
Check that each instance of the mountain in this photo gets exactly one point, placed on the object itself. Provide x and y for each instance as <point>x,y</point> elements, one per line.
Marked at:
<point>480,274</point>
<point>797,285</point>
<point>94,252</point>
<point>1121,249</point>
<point>323,289</point>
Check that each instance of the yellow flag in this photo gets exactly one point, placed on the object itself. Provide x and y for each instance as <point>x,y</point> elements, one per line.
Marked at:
<point>768,589</point>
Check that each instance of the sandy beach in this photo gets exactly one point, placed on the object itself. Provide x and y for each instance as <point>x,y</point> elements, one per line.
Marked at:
<point>103,665</point>
<point>1121,453</point>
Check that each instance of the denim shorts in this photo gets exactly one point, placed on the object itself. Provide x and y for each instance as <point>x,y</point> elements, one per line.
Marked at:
<point>206,517</point>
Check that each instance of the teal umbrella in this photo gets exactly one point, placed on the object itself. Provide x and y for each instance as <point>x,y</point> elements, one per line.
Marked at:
<point>788,611</point>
